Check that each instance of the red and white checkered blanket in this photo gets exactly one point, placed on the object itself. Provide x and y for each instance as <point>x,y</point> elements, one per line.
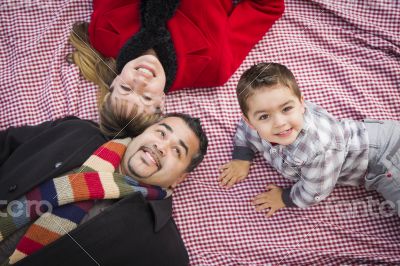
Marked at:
<point>346,57</point>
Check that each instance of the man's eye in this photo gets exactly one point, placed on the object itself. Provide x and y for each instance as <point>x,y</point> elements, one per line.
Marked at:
<point>287,109</point>
<point>162,133</point>
<point>263,117</point>
<point>178,152</point>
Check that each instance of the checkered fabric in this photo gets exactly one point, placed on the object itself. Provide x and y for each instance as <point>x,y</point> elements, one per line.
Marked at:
<point>346,57</point>
<point>325,153</point>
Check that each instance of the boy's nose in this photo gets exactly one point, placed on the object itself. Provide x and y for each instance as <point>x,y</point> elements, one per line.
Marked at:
<point>279,121</point>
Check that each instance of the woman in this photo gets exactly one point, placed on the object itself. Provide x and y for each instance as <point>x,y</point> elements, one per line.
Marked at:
<point>167,45</point>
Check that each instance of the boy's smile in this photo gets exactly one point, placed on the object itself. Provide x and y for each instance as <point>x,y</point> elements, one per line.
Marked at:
<point>276,113</point>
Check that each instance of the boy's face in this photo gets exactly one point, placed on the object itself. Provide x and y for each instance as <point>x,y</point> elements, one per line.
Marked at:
<point>276,113</point>
<point>161,154</point>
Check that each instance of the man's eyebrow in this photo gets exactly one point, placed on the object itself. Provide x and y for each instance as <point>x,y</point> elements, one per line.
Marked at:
<point>167,127</point>
<point>280,106</point>
<point>184,146</point>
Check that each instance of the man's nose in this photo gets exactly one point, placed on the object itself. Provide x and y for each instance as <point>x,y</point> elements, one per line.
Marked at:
<point>160,149</point>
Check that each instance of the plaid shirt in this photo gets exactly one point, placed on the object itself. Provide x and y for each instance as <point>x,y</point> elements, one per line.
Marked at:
<point>325,152</point>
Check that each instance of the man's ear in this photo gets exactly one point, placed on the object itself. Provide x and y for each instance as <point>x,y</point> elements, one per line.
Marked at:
<point>179,180</point>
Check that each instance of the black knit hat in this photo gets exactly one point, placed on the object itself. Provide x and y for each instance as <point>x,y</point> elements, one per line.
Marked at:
<point>153,35</point>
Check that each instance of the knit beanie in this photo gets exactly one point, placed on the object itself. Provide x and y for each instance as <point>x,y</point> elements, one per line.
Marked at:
<point>153,34</point>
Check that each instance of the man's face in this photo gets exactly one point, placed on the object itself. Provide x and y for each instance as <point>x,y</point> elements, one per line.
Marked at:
<point>161,154</point>
<point>276,113</point>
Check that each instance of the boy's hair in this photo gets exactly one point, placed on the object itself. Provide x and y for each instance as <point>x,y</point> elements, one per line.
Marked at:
<point>114,122</point>
<point>264,75</point>
<point>194,124</point>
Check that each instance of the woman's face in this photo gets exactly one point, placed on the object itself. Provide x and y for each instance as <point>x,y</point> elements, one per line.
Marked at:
<point>141,83</point>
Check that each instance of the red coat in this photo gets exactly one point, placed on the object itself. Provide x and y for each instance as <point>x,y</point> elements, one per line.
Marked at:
<point>211,38</point>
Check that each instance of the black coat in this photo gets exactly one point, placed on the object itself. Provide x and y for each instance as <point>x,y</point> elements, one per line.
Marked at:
<point>133,231</point>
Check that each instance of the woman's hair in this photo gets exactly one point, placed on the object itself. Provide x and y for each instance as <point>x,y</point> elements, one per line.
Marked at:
<point>92,65</point>
<point>115,122</point>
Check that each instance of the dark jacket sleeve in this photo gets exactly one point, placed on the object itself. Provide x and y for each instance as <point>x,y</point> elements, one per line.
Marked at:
<point>13,137</point>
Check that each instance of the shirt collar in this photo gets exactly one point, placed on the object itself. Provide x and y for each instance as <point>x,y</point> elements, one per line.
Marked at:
<point>307,118</point>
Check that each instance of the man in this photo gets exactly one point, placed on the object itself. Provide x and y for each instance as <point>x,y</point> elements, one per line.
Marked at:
<point>130,231</point>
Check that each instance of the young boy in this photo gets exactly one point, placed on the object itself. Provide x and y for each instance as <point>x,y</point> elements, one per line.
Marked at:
<point>306,144</point>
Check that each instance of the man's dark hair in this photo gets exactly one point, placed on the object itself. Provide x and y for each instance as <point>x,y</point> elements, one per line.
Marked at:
<point>194,124</point>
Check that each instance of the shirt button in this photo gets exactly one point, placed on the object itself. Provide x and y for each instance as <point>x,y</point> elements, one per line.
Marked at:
<point>57,164</point>
<point>317,198</point>
<point>12,188</point>
<point>298,161</point>
<point>273,150</point>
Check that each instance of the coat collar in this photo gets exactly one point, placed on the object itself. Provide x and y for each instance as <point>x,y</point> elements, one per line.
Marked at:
<point>162,210</point>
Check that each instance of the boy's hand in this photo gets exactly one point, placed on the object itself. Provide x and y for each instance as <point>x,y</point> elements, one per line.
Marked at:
<point>271,199</point>
<point>233,172</point>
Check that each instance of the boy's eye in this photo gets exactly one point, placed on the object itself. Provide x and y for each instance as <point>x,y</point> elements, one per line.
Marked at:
<point>286,109</point>
<point>263,117</point>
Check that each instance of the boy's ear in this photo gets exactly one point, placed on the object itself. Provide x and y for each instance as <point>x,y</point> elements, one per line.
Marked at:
<point>179,180</point>
<point>247,121</point>
<point>303,106</point>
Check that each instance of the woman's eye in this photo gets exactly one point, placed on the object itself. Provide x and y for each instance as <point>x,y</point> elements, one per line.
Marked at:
<point>147,98</point>
<point>263,117</point>
<point>286,109</point>
<point>126,88</point>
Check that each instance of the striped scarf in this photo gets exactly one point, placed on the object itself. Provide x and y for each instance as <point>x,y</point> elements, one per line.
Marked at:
<point>68,198</point>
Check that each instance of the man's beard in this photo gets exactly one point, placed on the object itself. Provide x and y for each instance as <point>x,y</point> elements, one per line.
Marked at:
<point>136,174</point>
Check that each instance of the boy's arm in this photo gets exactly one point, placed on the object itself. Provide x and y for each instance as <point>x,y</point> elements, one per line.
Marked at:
<point>237,169</point>
<point>317,180</point>
<point>242,148</point>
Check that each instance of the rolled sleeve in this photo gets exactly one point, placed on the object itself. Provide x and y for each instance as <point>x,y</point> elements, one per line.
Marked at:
<point>242,147</point>
<point>242,153</point>
<point>286,198</point>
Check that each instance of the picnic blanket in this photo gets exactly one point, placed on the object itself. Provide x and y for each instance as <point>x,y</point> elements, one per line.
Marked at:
<point>345,55</point>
